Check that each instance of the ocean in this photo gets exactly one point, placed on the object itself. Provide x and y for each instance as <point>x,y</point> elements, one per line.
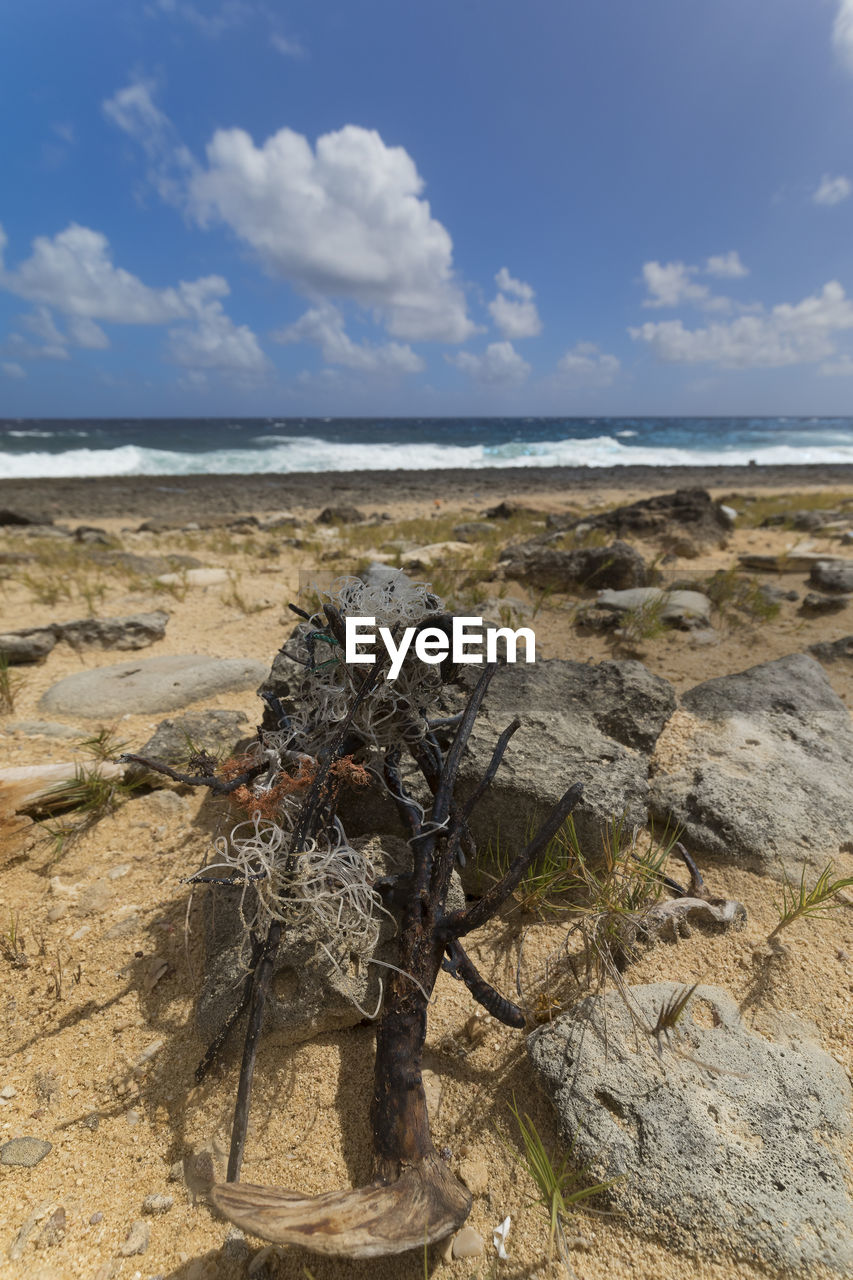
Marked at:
<point>47,448</point>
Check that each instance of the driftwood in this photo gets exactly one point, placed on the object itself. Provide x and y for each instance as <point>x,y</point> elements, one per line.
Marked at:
<point>414,1198</point>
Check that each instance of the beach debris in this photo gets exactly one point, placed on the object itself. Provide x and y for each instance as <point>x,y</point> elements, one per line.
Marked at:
<point>25,1152</point>
<point>536,563</point>
<point>149,684</point>
<point>729,1140</point>
<point>292,862</point>
<point>53,1231</point>
<point>755,768</point>
<point>499,1236</point>
<point>177,738</point>
<point>467,1243</point>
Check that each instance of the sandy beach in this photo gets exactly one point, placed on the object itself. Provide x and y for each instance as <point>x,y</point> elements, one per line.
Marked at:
<point>98,1041</point>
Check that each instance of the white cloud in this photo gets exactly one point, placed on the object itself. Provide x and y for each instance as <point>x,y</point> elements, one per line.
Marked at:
<point>213,341</point>
<point>587,365</point>
<point>345,220</point>
<point>83,332</point>
<point>22,349</point>
<point>499,364</point>
<point>229,14</point>
<point>840,368</point>
<point>516,316</point>
<point>842,32</point>
<point>670,284</point>
<point>728,265</point>
<point>289,48</point>
<point>74,273</point>
<point>12,369</point>
<point>789,334</point>
<point>41,323</point>
<point>508,284</point>
<point>324,325</point>
<point>832,190</point>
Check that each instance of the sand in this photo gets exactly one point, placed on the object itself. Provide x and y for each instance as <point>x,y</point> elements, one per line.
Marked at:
<point>97,1038</point>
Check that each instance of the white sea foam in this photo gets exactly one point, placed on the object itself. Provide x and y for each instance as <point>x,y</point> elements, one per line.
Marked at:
<point>287,454</point>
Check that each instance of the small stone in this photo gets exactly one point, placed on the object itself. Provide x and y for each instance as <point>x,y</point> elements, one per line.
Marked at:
<point>94,899</point>
<point>59,912</point>
<point>116,873</point>
<point>467,1243</point>
<point>9,1092</point>
<point>176,1172</point>
<point>92,1121</point>
<point>133,1118</point>
<point>96,1218</point>
<point>25,1152</point>
<point>157,1204</point>
<point>53,1231</point>
<point>138,1239</point>
<point>475,1175</point>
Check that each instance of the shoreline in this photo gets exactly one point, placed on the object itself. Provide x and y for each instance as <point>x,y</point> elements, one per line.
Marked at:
<point>147,496</point>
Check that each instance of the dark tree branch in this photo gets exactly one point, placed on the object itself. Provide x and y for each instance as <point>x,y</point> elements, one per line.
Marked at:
<point>460,966</point>
<point>209,780</point>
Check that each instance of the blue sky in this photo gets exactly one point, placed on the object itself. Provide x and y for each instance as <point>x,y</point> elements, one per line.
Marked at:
<point>386,207</point>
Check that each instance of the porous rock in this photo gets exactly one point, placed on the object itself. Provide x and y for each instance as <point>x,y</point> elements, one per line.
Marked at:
<point>832,575</point>
<point>309,994</point>
<point>618,566</point>
<point>175,739</point>
<point>579,723</point>
<point>25,1152</point>
<point>151,684</point>
<point>135,631</point>
<point>755,768</point>
<point>733,1145</point>
<point>29,645</point>
<point>691,511</point>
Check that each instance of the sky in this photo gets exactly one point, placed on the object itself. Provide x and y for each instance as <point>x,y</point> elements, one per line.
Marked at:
<point>394,207</point>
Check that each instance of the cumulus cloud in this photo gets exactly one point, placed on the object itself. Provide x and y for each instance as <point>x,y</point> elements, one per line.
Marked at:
<point>345,219</point>
<point>12,369</point>
<point>74,273</point>
<point>500,364</point>
<point>324,326</point>
<point>82,332</point>
<point>586,365</point>
<point>789,334</point>
<point>213,341</point>
<point>728,265</point>
<point>671,283</point>
<point>842,33</point>
<point>513,310</point>
<point>342,220</point>
<point>832,190</point>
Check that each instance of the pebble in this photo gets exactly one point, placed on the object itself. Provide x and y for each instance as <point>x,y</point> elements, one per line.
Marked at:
<point>138,1239</point>
<point>467,1243</point>
<point>26,1152</point>
<point>157,1204</point>
<point>9,1092</point>
<point>116,873</point>
<point>53,1231</point>
<point>96,1218</point>
<point>59,912</point>
<point>475,1175</point>
<point>132,1117</point>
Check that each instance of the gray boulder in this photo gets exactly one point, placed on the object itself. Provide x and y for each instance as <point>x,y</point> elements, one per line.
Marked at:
<point>150,684</point>
<point>687,511</point>
<point>618,566</point>
<point>9,518</point>
<point>755,768</point>
<point>343,514</point>
<point>832,650</point>
<point>30,645</point>
<point>730,1141</point>
<point>135,631</point>
<point>832,575</point>
<point>471,530</point>
<point>580,723</point>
